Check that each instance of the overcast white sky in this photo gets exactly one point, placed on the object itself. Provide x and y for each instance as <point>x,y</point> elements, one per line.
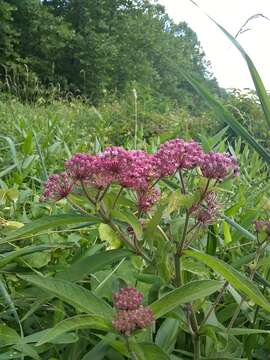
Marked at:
<point>227,64</point>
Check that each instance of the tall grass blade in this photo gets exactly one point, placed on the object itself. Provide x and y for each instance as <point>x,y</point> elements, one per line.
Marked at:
<point>42,162</point>
<point>259,86</point>
<point>225,116</point>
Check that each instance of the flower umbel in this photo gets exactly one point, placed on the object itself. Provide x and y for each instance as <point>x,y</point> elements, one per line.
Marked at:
<point>177,154</point>
<point>82,166</point>
<point>126,321</point>
<point>57,187</point>
<point>127,299</point>
<point>218,166</point>
<point>131,315</point>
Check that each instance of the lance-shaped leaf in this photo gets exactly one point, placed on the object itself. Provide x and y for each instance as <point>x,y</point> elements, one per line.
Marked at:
<point>187,293</point>
<point>234,277</point>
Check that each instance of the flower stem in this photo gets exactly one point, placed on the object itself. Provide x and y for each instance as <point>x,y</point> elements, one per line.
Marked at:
<point>195,332</point>
<point>178,254</point>
<point>117,197</point>
<point>216,302</point>
<point>85,190</point>
<point>76,206</point>
<point>131,353</point>
<point>183,187</point>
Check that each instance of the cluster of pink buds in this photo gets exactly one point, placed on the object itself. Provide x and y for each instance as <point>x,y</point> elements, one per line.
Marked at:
<point>218,166</point>
<point>138,170</point>
<point>131,315</point>
<point>206,212</point>
<point>262,226</point>
<point>57,187</point>
<point>147,198</point>
<point>177,154</point>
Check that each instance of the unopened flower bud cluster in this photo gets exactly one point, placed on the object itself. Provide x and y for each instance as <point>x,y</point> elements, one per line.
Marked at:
<point>131,315</point>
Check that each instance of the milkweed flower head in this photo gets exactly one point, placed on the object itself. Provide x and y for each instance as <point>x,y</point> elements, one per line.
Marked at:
<point>177,154</point>
<point>139,170</point>
<point>126,321</point>
<point>207,211</point>
<point>127,299</point>
<point>218,166</point>
<point>131,315</point>
<point>57,187</point>
<point>262,226</point>
<point>82,166</point>
<point>147,198</point>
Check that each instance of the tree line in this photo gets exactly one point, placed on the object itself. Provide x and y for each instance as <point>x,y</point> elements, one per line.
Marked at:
<point>92,47</point>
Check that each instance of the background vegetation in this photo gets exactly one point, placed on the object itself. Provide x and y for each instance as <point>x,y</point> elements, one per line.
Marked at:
<point>80,75</point>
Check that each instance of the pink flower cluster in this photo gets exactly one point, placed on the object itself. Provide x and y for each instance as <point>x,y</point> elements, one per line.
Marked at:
<point>147,198</point>
<point>218,166</point>
<point>127,299</point>
<point>262,226</point>
<point>206,211</point>
<point>131,315</point>
<point>177,154</point>
<point>138,170</point>
<point>57,187</point>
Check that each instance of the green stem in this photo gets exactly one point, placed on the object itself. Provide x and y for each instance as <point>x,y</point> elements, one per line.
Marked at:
<point>131,353</point>
<point>183,187</point>
<point>257,306</point>
<point>117,197</point>
<point>216,302</point>
<point>197,347</point>
<point>178,254</point>
<point>108,221</point>
<point>76,206</point>
<point>178,273</point>
<point>103,194</point>
<point>85,190</point>
<point>195,333</point>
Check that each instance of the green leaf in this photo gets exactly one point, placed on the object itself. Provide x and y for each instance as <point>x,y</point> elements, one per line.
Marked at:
<point>130,219</point>
<point>36,261</point>
<point>155,220</point>
<point>12,149</point>
<point>68,338</point>
<point>46,223</point>
<point>8,300</point>
<point>13,194</point>
<point>27,145</point>
<point>91,264</point>
<point>8,336</point>
<point>212,239</point>
<point>167,334</point>
<point>107,234</point>
<point>238,227</point>
<point>150,352</point>
<point>246,331</point>
<point>72,294</point>
<point>225,116</point>
<point>187,293</point>
<point>11,256</point>
<point>75,323</point>
<point>99,351</point>
<point>176,200</point>
<point>235,278</point>
<point>226,233</point>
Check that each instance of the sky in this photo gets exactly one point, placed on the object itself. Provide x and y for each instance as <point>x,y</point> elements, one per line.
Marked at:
<point>227,64</point>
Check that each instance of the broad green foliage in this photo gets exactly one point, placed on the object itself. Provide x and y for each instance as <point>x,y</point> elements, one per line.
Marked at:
<point>200,267</point>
